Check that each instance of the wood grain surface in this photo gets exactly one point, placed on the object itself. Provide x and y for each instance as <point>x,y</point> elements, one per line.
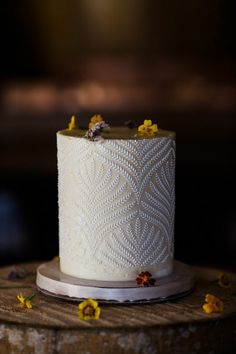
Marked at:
<point>179,326</point>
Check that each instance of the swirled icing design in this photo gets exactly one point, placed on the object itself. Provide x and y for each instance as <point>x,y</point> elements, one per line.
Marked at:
<point>116,206</point>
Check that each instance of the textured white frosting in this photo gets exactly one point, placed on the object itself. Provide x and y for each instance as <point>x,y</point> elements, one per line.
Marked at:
<point>116,206</point>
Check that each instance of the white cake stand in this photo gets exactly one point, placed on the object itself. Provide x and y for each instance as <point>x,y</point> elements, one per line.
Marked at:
<point>51,281</point>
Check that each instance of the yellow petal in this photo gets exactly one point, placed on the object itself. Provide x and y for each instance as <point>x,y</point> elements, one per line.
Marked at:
<point>80,315</point>
<point>28,304</point>
<point>142,129</point>
<point>96,118</point>
<point>93,303</point>
<point>211,299</point>
<point>21,298</point>
<point>97,313</point>
<point>154,128</point>
<point>82,305</point>
<point>72,124</point>
<point>147,122</point>
<point>22,305</point>
<point>88,302</point>
<point>208,308</point>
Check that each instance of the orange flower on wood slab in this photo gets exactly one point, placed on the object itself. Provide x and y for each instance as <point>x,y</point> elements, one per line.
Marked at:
<point>145,279</point>
<point>213,304</point>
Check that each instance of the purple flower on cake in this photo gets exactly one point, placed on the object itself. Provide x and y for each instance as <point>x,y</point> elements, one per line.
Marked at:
<point>94,133</point>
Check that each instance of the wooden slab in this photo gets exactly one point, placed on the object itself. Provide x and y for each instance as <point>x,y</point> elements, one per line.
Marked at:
<point>179,326</point>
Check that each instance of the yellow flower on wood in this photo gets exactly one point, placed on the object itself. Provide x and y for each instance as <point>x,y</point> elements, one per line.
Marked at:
<point>213,304</point>
<point>89,310</point>
<point>95,119</point>
<point>72,124</point>
<point>25,302</point>
<point>147,128</point>
<point>223,280</point>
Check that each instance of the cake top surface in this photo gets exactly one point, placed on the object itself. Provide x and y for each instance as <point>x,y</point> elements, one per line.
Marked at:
<point>98,129</point>
<point>119,133</point>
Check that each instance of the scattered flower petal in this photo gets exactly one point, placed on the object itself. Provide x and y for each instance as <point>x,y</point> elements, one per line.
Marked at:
<point>147,122</point>
<point>89,310</point>
<point>223,280</point>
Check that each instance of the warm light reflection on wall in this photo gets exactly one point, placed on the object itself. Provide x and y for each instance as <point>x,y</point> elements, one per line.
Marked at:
<point>193,93</point>
<point>113,24</point>
<point>51,38</point>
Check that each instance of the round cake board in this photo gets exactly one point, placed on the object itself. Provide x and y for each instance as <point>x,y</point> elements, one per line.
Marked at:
<point>51,281</point>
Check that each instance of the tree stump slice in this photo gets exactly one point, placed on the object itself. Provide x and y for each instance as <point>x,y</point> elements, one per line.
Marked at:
<point>173,327</point>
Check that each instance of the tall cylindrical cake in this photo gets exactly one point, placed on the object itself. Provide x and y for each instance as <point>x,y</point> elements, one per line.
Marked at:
<point>116,205</point>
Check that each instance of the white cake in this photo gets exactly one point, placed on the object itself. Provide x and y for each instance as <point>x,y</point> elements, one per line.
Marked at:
<point>116,204</point>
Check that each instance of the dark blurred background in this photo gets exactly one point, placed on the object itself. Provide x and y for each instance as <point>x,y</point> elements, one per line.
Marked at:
<point>170,61</point>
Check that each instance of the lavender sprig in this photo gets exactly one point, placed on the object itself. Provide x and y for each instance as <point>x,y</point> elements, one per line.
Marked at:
<point>94,133</point>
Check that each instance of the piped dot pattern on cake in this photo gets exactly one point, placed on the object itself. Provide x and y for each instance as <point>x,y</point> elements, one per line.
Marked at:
<point>116,206</point>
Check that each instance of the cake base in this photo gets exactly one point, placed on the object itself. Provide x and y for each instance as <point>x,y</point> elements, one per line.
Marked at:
<point>51,281</point>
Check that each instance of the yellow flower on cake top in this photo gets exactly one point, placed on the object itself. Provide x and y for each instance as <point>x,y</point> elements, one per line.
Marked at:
<point>89,310</point>
<point>72,124</point>
<point>95,119</point>
<point>147,128</point>
<point>25,302</point>
<point>213,304</point>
